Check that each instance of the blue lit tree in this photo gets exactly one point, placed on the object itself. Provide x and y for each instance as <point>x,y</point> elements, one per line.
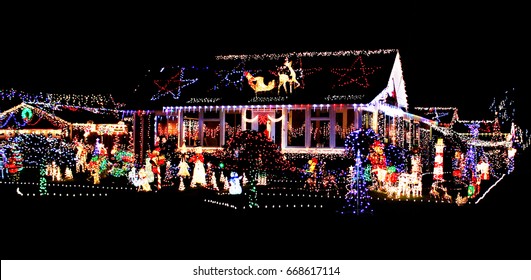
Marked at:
<point>357,199</point>
<point>471,154</point>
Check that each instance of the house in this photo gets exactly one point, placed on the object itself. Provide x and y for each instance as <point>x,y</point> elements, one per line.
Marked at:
<point>306,102</point>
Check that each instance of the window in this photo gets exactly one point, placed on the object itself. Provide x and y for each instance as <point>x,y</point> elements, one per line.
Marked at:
<point>211,129</point>
<point>320,132</point>
<point>233,123</point>
<point>296,128</point>
<point>344,125</point>
<point>191,129</point>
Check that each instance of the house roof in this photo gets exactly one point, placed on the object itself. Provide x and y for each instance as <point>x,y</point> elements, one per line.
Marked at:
<point>445,116</point>
<point>321,78</point>
<point>42,116</point>
<point>27,116</point>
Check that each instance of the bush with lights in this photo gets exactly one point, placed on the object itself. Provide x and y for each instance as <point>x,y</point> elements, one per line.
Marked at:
<point>253,153</point>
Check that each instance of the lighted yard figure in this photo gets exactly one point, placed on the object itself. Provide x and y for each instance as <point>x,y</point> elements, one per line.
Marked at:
<point>214,181</point>
<point>460,200</point>
<point>81,156</point>
<point>244,179</point>
<point>142,182</point>
<point>183,165</point>
<point>312,163</point>
<point>357,198</point>
<point>234,181</point>
<point>98,165</point>
<point>438,163</point>
<point>156,160</point>
<point>149,170</point>
<point>97,147</point>
<point>482,168</point>
<point>131,176</point>
<point>416,175</point>
<point>199,173</point>
<point>55,172</point>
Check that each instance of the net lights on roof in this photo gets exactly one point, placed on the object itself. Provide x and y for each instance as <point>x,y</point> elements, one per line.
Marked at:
<point>306,54</point>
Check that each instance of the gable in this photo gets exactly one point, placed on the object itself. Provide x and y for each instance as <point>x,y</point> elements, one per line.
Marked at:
<point>29,117</point>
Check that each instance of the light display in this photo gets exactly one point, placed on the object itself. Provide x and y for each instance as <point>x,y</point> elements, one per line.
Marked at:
<point>438,164</point>
<point>305,54</point>
<point>252,153</point>
<point>3,161</point>
<point>357,198</point>
<point>357,74</point>
<point>257,83</point>
<point>55,100</point>
<point>471,156</point>
<point>231,78</point>
<point>198,173</point>
<point>234,183</point>
<point>290,78</point>
<point>175,83</point>
<point>42,180</point>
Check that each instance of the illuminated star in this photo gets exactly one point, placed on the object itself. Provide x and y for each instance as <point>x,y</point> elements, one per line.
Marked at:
<point>234,77</point>
<point>305,72</point>
<point>175,82</point>
<point>357,73</point>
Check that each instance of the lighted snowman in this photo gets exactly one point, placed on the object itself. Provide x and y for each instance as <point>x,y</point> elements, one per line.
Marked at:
<point>234,182</point>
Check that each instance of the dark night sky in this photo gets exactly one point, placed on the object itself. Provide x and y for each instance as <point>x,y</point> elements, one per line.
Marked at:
<point>451,57</point>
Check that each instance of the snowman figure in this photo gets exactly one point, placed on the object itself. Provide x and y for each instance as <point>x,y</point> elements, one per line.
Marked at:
<point>234,182</point>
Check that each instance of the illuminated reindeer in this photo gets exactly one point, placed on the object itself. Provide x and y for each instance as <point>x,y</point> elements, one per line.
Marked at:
<point>433,191</point>
<point>446,196</point>
<point>285,78</point>
<point>81,157</point>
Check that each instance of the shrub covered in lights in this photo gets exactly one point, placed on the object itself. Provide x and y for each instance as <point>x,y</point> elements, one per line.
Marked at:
<point>250,151</point>
<point>397,157</point>
<point>40,149</point>
<point>359,140</point>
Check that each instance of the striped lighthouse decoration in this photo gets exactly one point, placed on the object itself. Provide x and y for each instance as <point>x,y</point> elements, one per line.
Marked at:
<point>438,163</point>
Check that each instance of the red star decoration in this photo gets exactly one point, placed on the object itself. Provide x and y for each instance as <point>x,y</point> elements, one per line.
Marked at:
<point>175,82</point>
<point>357,73</point>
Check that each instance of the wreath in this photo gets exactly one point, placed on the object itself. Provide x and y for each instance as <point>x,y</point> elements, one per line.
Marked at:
<point>26,114</point>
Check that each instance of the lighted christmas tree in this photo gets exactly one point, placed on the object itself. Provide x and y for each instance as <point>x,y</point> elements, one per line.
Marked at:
<point>42,180</point>
<point>357,199</point>
<point>498,153</point>
<point>3,160</point>
<point>469,172</point>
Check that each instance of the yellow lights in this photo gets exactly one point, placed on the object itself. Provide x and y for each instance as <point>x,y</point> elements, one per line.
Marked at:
<point>257,83</point>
